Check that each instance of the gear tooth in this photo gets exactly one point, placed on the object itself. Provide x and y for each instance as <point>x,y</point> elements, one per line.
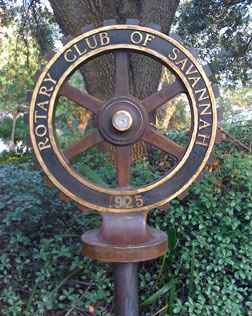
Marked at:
<point>155,27</point>
<point>48,182</point>
<point>199,178</point>
<point>36,163</point>
<point>219,114</point>
<point>207,70</point>
<point>183,195</point>
<point>29,96</point>
<point>219,137</point>
<point>211,159</point>
<point>26,119</point>
<point>83,208</point>
<point>64,197</point>
<point>66,39</point>
<point>176,37</point>
<point>216,91</point>
<point>132,22</point>
<point>193,51</point>
<point>109,22</point>
<point>37,75</point>
<point>28,141</point>
<point>164,207</point>
<point>87,28</point>
<point>49,55</point>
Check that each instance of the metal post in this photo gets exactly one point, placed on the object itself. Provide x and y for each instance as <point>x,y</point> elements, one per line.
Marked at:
<point>126,293</point>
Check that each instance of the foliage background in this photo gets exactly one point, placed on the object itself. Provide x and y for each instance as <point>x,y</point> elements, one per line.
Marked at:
<point>207,270</point>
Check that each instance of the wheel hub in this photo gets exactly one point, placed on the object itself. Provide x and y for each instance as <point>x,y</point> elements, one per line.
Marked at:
<point>122,120</point>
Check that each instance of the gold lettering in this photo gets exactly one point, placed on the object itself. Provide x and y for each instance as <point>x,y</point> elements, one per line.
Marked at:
<point>204,111</point>
<point>202,97</point>
<point>44,130</point>
<point>175,52</point>
<point>104,39</point>
<point>44,145</point>
<point>125,201</point>
<point>38,116</point>
<point>49,78</point>
<point>183,62</point>
<point>89,45</point>
<point>118,202</point>
<point>128,201</point>
<point>139,201</point>
<point>148,38</point>
<point>44,90</point>
<point>140,37</point>
<point>42,105</point>
<point>189,72</point>
<point>205,124</point>
<point>195,79</point>
<point>78,51</point>
<point>203,142</point>
<point>68,58</point>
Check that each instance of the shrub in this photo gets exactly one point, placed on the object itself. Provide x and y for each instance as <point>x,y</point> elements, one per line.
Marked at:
<point>207,270</point>
<point>212,262</point>
<point>41,266</point>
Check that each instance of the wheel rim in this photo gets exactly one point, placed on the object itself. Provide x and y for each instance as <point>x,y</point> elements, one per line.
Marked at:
<point>148,199</point>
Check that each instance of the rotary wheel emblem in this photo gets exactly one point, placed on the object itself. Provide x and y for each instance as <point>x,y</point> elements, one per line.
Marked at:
<point>123,119</point>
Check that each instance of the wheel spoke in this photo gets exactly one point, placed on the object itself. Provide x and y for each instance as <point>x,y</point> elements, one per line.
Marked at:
<point>83,99</point>
<point>156,139</point>
<point>122,73</point>
<point>123,165</point>
<point>162,96</point>
<point>91,139</point>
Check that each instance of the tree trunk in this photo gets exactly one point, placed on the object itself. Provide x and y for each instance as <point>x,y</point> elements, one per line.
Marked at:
<point>98,74</point>
<point>72,15</point>
<point>14,120</point>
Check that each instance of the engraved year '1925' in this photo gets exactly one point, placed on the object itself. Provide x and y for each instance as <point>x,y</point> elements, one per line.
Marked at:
<point>125,201</point>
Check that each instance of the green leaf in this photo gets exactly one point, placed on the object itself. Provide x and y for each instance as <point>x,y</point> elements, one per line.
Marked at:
<point>160,292</point>
<point>172,239</point>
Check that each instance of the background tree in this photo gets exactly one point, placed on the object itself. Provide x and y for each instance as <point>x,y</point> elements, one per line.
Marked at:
<point>25,38</point>
<point>18,64</point>
<point>219,28</point>
<point>221,31</point>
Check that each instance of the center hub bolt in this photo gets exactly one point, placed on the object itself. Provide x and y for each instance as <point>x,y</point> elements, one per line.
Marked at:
<point>122,120</point>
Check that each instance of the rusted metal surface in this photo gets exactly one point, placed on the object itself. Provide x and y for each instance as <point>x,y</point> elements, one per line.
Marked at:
<point>85,100</point>
<point>124,238</point>
<point>91,139</point>
<point>137,150</point>
<point>156,139</point>
<point>126,293</point>
<point>122,121</point>
<point>123,166</point>
<point>191,81</point>
<point>122,74</point>
<point>163,96</point>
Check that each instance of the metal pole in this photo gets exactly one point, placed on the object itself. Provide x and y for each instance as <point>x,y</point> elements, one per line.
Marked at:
<point>126,293</point>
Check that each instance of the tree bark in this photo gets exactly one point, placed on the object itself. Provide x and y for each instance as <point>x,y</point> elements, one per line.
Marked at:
<point>99,74</point>
<point>14,120</point>
<point>72,15</point>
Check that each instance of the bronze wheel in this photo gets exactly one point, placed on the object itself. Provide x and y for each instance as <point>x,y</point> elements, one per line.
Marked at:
<point>123,119</point>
